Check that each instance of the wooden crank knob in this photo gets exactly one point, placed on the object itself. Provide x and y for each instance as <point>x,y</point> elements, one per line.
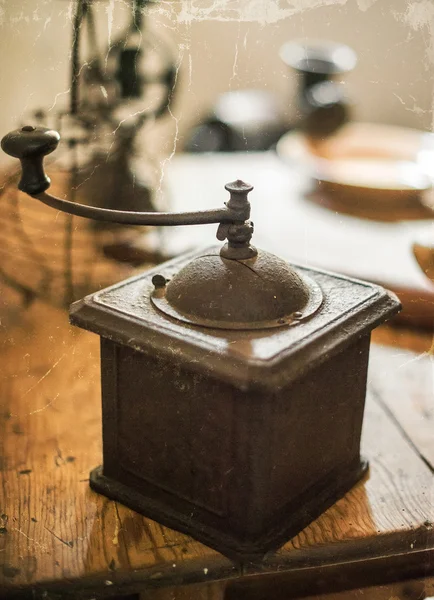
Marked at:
<point>30,144</point>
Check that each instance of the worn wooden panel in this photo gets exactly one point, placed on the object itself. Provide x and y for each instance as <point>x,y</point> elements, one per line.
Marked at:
<point>167,431</point>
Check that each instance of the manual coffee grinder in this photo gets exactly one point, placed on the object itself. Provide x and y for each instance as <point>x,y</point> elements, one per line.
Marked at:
<point>233,383</point>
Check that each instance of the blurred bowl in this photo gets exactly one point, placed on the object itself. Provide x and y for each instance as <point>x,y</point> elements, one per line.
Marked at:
<point>364,164</point>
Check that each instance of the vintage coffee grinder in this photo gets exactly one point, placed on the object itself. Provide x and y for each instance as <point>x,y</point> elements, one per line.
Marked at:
<point>233,383</point>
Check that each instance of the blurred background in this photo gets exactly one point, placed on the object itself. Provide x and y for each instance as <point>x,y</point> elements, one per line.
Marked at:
<point>349,164</point>
<point>230,45</point>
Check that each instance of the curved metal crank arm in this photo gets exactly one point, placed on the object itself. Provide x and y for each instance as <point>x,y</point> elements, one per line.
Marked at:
<point>126,217</point>
<point>31,144</point>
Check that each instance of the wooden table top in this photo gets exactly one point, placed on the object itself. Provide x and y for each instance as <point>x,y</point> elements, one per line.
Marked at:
<point>58,535</point>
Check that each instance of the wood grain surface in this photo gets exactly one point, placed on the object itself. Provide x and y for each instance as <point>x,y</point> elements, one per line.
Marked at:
<point>58,257</point>
<point>415,382</point>
<point>56,535</point>
<point>417,589</point>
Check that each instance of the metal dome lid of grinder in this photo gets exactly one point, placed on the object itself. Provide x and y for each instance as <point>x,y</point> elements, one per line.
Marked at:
<point>237,287</point>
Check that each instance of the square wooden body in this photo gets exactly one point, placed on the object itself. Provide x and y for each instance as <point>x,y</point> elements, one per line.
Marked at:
<point>238,439</point>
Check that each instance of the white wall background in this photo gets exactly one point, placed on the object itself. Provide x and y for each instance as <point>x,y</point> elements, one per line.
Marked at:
<point>232,44</point>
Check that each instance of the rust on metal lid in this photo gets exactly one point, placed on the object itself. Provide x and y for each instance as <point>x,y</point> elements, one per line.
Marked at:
<point>260,292</point>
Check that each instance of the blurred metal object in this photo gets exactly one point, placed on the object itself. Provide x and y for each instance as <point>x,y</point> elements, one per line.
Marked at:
<point>115,89</point>
<point>241,121</point>
<point>321,102</point>
<point>253,120</point>
<point>111,98</point>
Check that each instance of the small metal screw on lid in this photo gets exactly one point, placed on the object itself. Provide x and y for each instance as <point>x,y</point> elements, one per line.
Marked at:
<point>159,281</point>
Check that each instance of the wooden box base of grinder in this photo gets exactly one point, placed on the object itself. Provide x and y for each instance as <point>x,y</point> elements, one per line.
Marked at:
<point>238,437</point>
